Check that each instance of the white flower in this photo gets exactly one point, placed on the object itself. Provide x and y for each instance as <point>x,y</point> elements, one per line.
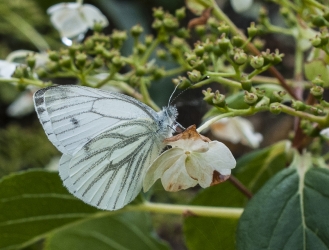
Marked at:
<point>194,159</point>
<point>241,5</point>
<point>236,129</point>
<point>7,68</point>
<point>73,20</point>
<point>325,133</point>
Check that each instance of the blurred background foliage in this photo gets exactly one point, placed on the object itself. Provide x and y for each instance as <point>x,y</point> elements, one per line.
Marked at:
<point>23,143</point>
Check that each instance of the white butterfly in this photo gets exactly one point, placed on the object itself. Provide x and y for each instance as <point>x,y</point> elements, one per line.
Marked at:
<point>108,141</point>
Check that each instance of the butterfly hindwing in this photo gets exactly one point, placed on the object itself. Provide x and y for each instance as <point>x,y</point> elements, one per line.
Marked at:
<point>107,172</point>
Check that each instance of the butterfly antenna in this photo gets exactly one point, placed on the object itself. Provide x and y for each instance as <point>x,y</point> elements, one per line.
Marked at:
<point>172,94</point>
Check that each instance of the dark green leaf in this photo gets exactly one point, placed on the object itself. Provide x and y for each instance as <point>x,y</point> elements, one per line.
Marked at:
<point>33,203</point>
<point>290,211</point>
<point>122,231</point>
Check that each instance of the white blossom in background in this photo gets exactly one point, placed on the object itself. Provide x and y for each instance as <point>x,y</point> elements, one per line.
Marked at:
<point>325,133</point>
<point>241,5</point>
<point>235,130</point>
<point>7,68</point>
<point>73,20</point>
<point>193,159</point>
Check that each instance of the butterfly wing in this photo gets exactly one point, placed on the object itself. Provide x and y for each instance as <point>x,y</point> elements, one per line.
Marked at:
<point>72,115</point>
<point>107,139</point>
<point>108,171</point>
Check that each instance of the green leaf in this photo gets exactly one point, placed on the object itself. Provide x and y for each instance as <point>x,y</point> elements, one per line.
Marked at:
<point>253,170</point>
<point>122,231</point>
<point>290,211</point>
<point>33,203</point>
<point>316,68</point>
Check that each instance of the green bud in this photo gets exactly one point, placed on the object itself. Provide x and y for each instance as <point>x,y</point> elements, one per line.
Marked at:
<point>208,46</point>
<point>19,72</point>
<point>53,55</point>
<point>183,33</point>
<point>260,92</point>
<point>278,95</point>
<point>240,57</point>
<point>180,13</point>
<point>177,42</point>
<point>136,30</point>
<point>41,72</point>
<point>140,70</point>
<point>194,75</point>
<point>263,13</point>
<point>98,62</point>
<point>319,21</point>
<point>264,102</point>
<point>65,61</point>
<point>298,105</point>
<point>213,23</point>
<point>99,48</point>
<point>109,54</point>
<point>74,48</point>
<point>223,28</point>
<point>98,26</point>
<point>316,42</point>
<point>250,98</point>
<point>52,67</point>
<point>157,24</point>
<point>158,13</point>
<point>252,30</point>
<point>30,60</point>
<point>190,57</point>
<point>208,96</point>
<point>219,100</point>
<point>162,54</point>
<point>246,83</point>
<point>118,37</point>
<point>198,64</point>
<point>141,48</point>
<point>316,110</point>
<point>118,62</point>
<point>324,37</point>
<point>237,41</point>
<point>89,43</point>
<point>275,108</point>
<point>268,57</point>
<point>317,92</point>
<point>200,30</point>
<point>158,73</point>
<point>199,49</point>
<point>318,81</point>
<point>80,59</point>
<point>259,43</point>
<point>182,82</point>
<point>224,43</point>
<point>170,23</point>
<point>277,57</point>
<point>148,40</point>
<point>256,62</point>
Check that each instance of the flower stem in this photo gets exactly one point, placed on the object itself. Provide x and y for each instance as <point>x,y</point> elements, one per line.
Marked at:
<point>217,212</point>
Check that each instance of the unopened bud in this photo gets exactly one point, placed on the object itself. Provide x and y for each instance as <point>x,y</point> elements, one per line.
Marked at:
<point>317,92</point>
<point>219,99</point>
<point>240,57</point>
<point>194,75</point>
<point>256,62</point>
<point>246,83</point>
<point>298,105</point>
<point>275,108</point>
<point>208,95</point>
<point>224,43</point>
<point>237,41</point>
<point>318,81</point>
<point>180,13</point>
<point>250,98</point>
<point>252,30</point>
<point>136,30</point>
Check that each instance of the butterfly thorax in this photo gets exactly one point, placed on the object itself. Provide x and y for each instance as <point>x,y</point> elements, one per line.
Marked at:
<point>166,121</point>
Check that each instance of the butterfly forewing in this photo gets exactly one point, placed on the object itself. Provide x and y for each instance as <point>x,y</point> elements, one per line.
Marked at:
<point>108,141</point>
<point>72,115</point>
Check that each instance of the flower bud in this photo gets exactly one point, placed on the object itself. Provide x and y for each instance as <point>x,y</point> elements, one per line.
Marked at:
<point>183,82</point>
<point>74,48</point>
<point>148,40</point>
<point>140,70</point>
<point>319,21</point>
<point>278,95</point>
<point>260,92</point>
<point>259,43</point>
<point>298,105</point>
<point>237,41</point>
<point>158,73</point>
<point>98,26</point>
<point>317,92</point>
<point>277,57</point>
<point>170,23</point>
<point>52,67</point>
<point>80,59</point>
<point>30,61</point>
<point>162,54</point>
<point>252,30</point>
<point>240,57</point>
<point>250,98</point>
<point>275,108</point>
<point>224,43</point>
<point>65,61</point>
<point>41,72</point>
<point>141,48</point>
<point>183,33</point>
<point>158,13</point>
<point>256,62</point>
<point>180,13</point>
<point>194,75</point>
<point>200,30</point>
<point>199,49</point>
<point>316,42</point>
<point>98,62</point>
<point>99,48</point>
<point>219,99</point>
<point>53,55</point>
<point>318,81</point>
<point>19,72</point>
<point>118,62</point>
<point>208,95</point>
<point>136,30</point>
<point>223,28</point>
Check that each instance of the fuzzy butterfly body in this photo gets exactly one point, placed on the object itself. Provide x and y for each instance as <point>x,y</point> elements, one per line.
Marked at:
<point>108,141</point>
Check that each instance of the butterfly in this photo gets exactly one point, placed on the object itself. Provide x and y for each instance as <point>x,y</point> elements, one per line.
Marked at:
<point>108,141</point>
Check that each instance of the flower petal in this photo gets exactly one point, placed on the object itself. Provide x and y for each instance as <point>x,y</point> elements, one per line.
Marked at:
<point>176,177</point>
<point>202,166</point>
<point>92,15</point>
<point>160,165</point>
